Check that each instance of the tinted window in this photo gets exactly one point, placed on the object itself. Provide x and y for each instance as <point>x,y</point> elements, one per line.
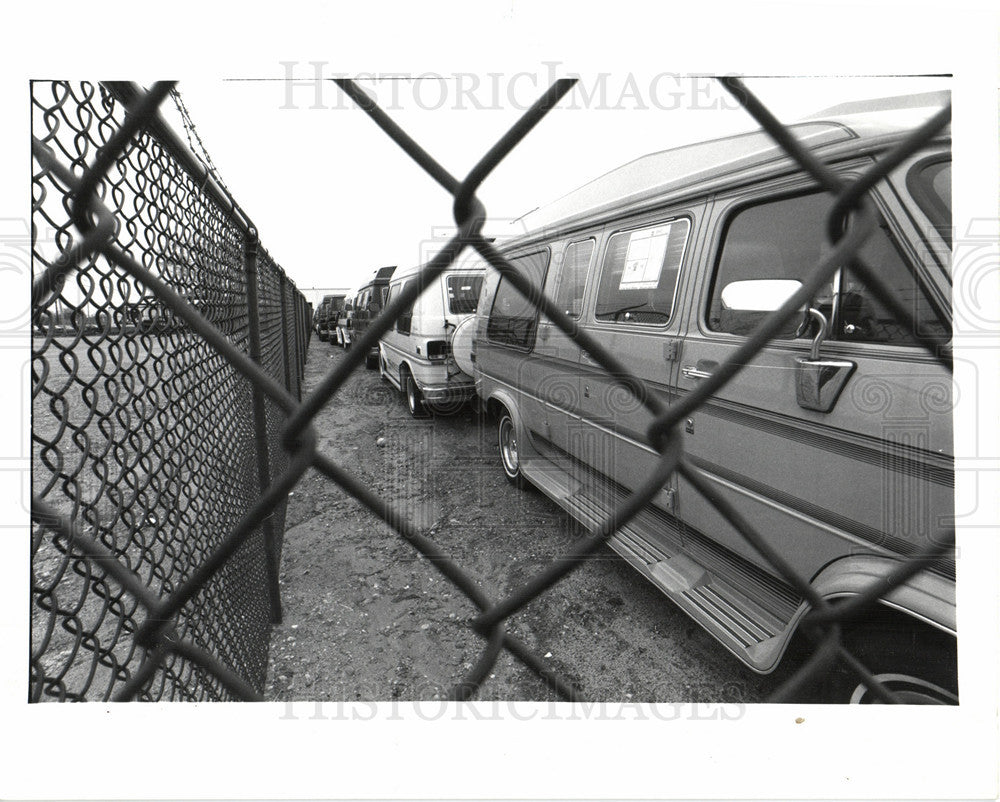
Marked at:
<point>640,272</point>
<point>514,318</point>
<point>785,239</point>
<point>463,293</point>
<point>571,278</point>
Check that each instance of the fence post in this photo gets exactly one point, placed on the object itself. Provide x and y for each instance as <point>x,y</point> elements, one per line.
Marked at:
<point>260,425</point>
<point>285,344</point>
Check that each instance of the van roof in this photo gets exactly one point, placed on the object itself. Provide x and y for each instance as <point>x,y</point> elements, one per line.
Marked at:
<point>381,276</point>
<point>672,170</point>
<point>463,266</point>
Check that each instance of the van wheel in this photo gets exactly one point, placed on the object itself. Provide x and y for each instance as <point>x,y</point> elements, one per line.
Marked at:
<point>917,663</point>
<point>414,398</point>
<point>509,455</point>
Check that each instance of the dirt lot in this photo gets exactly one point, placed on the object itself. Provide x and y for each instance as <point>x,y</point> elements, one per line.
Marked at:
<point>365,617</point>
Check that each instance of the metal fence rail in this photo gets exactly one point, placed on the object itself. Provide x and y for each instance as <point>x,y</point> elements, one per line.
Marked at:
<point>164,630</point>
<point>144,435</point>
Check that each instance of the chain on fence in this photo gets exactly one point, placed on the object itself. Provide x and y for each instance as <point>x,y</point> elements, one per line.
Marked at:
<point>163,331</point>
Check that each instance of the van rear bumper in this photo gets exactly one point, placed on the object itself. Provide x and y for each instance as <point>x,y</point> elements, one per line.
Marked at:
<point>450,393</point>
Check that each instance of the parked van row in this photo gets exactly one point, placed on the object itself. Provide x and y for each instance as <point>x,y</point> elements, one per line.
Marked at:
<point>426,352</point>
<point>325,315</point>
<point>353,317</point>
<point>834,442</point>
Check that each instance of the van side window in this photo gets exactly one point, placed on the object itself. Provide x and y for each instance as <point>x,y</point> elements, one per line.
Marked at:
<point>463,294</point>
<point>639,277</point>
<point>785,239</point>
<point>572,277</point>
<point>405,320</point>
<point>513,318</point>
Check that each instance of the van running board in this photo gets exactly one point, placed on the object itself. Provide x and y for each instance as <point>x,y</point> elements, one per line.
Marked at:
<point>749,611</point>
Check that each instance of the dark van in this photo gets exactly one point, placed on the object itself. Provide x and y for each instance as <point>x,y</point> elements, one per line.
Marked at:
<point>368,305</point>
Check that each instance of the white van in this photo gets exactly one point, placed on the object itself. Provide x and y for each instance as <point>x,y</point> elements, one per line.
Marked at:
<point>420,355</point>
<point>834,441</point>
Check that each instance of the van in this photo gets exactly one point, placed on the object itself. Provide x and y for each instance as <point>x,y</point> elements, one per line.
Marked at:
<point>836,447</point>
<point>368,304</point>
<point>420,355</point>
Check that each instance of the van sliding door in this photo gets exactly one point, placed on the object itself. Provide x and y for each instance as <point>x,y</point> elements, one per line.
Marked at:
<point>634,315</point>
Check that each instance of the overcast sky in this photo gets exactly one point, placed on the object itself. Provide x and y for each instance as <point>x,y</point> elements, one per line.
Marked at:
<point>334,198</point>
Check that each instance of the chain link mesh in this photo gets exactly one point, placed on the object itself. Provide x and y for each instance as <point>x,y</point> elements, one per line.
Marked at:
<point>169,425</point>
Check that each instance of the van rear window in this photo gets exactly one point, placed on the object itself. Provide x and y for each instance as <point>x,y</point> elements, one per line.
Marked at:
<point>463,294</point>
<point>514,318</point>
<point>640,272</point>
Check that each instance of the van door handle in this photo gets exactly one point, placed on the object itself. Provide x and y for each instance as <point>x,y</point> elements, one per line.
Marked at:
<point>695,373</point>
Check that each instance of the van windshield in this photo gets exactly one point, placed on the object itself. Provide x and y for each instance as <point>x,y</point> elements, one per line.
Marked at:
<point>463,294</point>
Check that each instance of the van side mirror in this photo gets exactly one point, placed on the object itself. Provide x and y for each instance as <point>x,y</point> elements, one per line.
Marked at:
<point>746,303</point>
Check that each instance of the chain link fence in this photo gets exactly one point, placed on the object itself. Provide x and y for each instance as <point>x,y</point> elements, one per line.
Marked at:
<point>155,552</point>
<point>148,445</point>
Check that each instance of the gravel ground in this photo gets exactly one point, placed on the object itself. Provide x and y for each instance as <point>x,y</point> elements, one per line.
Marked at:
<point>367,618</point>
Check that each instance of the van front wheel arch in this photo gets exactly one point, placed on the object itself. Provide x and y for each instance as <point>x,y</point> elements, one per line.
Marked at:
<point>913,660</point>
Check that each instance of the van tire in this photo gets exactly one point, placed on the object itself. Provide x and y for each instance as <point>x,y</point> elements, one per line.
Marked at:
<point>412,396</point>
<point>913,660</point>
<point>510,459</point>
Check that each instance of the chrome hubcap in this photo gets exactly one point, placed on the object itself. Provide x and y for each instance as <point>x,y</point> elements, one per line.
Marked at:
<point>909,690</point>
<point>508,446</point>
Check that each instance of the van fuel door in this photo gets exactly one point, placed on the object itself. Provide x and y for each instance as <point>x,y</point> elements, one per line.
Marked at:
<point>819,382</point>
